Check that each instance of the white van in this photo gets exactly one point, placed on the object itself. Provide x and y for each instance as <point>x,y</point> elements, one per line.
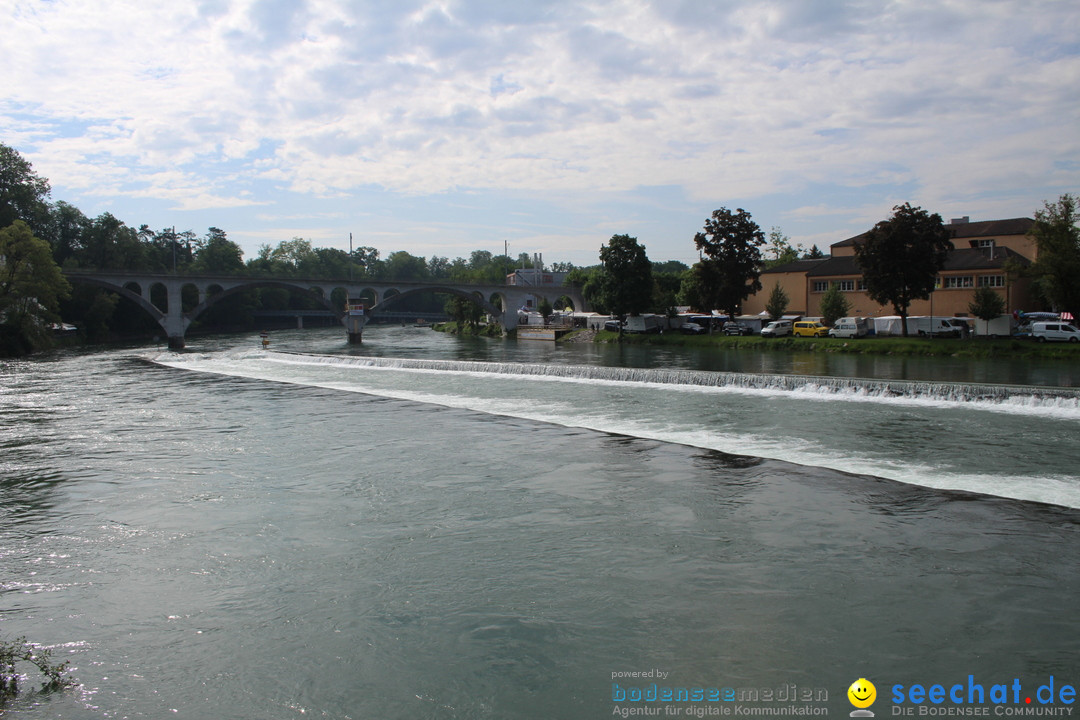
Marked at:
<point>1043,331</point>
<point>776,328</point>
<point>849,327</point>
<point>926,326</point>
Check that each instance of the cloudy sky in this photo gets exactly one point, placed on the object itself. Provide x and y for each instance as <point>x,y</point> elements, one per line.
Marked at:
<point>449,126</point>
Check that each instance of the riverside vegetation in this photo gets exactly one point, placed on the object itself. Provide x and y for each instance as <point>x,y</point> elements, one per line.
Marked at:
<point>19,650</point>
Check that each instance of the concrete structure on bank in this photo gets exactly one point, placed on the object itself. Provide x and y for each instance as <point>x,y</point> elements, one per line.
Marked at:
<point>982,251</point>
<point>174,301</point>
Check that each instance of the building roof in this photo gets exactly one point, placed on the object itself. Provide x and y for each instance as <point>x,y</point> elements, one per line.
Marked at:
<point>795,266</point>
<point>843,265</point>
<point>957,260</point>
<point>982,259</point>
<point>986,228</point>
<point>983,228</point>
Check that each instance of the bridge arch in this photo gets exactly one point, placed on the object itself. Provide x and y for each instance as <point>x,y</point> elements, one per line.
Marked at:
<point>392,296</point>
<point>315,293</point>
<point>159,297</point>
<point>124,291</point>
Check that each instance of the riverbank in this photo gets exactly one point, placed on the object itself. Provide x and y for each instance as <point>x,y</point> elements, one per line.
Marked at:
<point>972,348</point>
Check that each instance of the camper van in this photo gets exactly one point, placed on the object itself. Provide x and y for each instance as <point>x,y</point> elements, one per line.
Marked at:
<point>849,327</point>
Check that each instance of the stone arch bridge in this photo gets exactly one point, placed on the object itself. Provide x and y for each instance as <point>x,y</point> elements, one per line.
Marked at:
<point>376,295</point>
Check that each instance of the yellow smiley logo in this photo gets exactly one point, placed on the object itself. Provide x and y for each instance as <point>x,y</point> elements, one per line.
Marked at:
<point>862,693</point>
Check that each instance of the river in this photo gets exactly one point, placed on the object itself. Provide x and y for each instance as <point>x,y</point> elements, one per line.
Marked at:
<point>427,526</point>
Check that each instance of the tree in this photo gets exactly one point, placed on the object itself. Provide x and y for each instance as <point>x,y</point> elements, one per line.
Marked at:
<point>1057,269</point>
<point>729,273</point>
<point>23,194</point>
<point>986,304</point>
<point>625,280</point>
<point>778,302</point>
<point>401,265</point>
<point>833,304</point>
<point>31,287</point>
<point>109,244</point>
<point>219,255</point>
<point>901,257</point>
<point>464,312</point>
<point>781,248</point>
<point>65,231</point>
<point>545,309</point>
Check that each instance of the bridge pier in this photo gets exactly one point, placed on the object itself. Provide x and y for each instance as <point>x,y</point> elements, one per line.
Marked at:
<point>176,342</point>
<point>354,328</point>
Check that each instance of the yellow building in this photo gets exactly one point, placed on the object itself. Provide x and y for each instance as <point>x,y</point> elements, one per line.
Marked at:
<point>980,258</point>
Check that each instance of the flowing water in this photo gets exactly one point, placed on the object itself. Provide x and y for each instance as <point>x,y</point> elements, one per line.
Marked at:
<point>435,527</point>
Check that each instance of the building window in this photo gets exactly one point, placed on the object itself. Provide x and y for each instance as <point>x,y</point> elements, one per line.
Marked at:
<point>821,286</point>
<point>959,281</point>
<point>860,285</point>
<point>991,281</point>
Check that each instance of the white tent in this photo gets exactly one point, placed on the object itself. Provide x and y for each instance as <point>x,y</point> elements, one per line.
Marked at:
<point>888,325</point>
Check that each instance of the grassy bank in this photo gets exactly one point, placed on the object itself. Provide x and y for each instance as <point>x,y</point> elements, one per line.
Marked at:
<point>974,348</point>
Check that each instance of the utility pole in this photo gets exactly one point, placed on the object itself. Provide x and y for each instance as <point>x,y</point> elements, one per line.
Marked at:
<point>350,257</point>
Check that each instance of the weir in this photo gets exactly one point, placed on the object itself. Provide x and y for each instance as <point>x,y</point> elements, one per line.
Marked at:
<point>926,390</point>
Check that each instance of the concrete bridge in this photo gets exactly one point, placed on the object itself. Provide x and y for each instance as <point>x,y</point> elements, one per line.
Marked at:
<point>180,299</point>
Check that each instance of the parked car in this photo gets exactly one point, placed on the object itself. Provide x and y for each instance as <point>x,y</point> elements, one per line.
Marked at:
<point>776,328</point>
<point>612,325</point>
<point>737,328</point>
<point>1043,331</point>
<point>806,328</point>
<point>690,328</point>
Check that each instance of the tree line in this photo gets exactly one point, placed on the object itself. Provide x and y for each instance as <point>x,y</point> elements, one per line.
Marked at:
<point>899,258</point>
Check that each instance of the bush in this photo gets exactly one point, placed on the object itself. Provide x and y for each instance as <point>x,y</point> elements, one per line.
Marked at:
<point>19,650</point>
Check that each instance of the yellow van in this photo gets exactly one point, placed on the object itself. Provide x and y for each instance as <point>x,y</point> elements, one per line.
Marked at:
<point>805,328</point>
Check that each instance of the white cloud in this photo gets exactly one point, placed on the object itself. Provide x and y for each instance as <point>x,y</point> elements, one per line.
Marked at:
<point>198,105</point>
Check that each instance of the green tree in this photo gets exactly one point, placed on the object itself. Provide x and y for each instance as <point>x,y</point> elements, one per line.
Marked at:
<point>625,280</point>
<point>464,312</point>
<point>1057,270</point>
<point>23,193</point>
<point>545,309</point>
<point>777,303</point>
<point>401,265</point>
<point>833,305</point>
<point>986,304</point>
<point>65,231</point>
<point>219,255</point>
<point>730,271</point>
<point>781,249</point>
<point>109,244</point>
<point>31,287</point>
<point>901,257</point>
